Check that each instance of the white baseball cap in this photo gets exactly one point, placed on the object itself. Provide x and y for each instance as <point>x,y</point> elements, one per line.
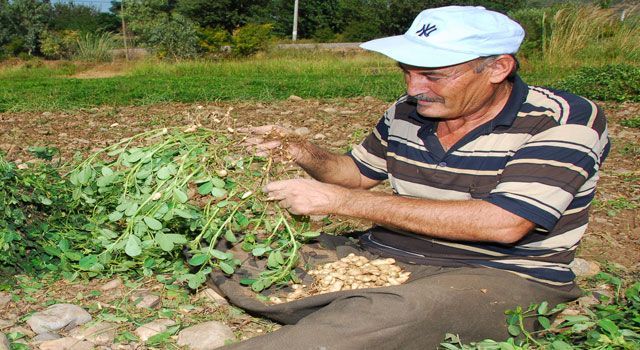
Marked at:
<point>445,36</point>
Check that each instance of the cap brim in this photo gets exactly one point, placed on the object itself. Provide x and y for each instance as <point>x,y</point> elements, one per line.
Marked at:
<point>411,53</point>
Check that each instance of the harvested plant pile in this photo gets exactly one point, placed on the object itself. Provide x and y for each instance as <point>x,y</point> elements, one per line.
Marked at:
<point>158,194</point>
<point>350,272</point>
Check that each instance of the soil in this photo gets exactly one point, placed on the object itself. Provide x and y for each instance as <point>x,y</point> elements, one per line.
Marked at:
<point>613,235</point>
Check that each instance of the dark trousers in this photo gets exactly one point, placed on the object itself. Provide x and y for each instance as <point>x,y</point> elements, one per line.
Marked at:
<point>467,301</point>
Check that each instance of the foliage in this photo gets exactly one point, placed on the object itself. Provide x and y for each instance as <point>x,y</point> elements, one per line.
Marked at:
<point>27,20</point>
<point>609,324</point>
<point>608,83</point>
<point>36,224</point>
<point>251,38</point>
<point>633,122</point>
<point>74,17</point>
<point>214,39</point>
<point>537,26</point>
<point>57,45</point>
<point>227,14</point>
<point>95,47</point>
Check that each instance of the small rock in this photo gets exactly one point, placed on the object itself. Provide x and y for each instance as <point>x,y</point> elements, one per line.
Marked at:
<point>369,99</point>
<point>58,316</point>
<point>588,300</point>
<point>584,268</point>
<point>150,329</point>
<point>301,131</point>
<point>4,342</point>
<point>113,284</point>
<point>46,114</point>
<point>5,298</point>
<point>205,336</point>
<point>317,218</point>
<point>100,334</point>
<point>145,300</point>
<point>66,343</point>
<point>46,336</point>
<point>213,296</point>
<point>330,110</point>
<point>319,137</point>
<point>295,98</point>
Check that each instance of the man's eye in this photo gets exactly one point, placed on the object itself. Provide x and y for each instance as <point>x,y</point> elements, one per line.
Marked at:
<point>432,77</point>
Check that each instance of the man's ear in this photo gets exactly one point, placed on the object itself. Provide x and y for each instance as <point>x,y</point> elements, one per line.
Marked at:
<point>501,68</point>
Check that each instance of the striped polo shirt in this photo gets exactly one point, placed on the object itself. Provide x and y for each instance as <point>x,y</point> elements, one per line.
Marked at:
<point>538,158</point>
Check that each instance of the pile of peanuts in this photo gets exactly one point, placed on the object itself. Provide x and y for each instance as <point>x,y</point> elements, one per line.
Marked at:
<point>351,272</point>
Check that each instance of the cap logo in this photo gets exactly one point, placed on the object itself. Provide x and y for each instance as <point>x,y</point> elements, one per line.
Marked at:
<point>426,30</point>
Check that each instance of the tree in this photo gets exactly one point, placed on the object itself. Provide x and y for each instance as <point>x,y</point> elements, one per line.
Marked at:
<point>69,16</point>
<point>28,19</point>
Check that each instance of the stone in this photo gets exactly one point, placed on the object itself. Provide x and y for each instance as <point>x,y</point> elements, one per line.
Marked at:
<point>4,342</point>
<point>145,300</point>
<point>213,296</point>
<point>100,333</point>
<point>57,317</point>
<point>587,301</point>
<point>5,298</point>
<point>113,284</point>
<point>319,136</point>
<point>205,336</point>
<point>46,336</point>
<point>66,343</point>
<point>584,268</point>
<point>150,329</point>
<point>6,323</point>
<point>301,131</point>
<point>369,99</point>
<point>295,98</point>
<point>330,110</point>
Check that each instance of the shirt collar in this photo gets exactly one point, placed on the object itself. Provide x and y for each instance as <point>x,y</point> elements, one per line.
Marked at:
<point>506,116</point>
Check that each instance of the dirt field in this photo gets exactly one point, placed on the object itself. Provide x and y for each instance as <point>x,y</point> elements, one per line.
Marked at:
<point>613,235</point>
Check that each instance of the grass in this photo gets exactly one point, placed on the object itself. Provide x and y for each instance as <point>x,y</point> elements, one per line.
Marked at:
<point>316,75</point>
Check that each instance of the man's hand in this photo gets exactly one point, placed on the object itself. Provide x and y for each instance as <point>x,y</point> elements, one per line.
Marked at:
<point>305,196</point>
<point>272,140</point>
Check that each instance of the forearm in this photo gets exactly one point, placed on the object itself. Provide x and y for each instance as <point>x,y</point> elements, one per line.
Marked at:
<point>326,166</point>
<point>467,220</point>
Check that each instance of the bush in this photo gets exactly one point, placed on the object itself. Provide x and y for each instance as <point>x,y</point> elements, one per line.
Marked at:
<point>171,36</point>
<point>95,47</point>
<point>361,31</point>
<point>213,39</point>
<point>324,35</point>
<point>537,26</point>
<point>57,45</point>
<point>252,38</point>
<point>608,83</point>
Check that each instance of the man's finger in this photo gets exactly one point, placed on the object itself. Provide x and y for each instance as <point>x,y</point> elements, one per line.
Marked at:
<point>250,141</point>
<point>268,145</point>
<point>275,186</point>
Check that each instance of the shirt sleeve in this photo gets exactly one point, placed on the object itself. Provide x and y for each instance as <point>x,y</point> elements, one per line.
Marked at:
<point>370,155</point>
<point>545,174</point>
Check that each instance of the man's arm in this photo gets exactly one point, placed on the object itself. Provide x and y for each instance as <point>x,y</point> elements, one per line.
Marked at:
<point>466,220</point>
<point>329,167</point>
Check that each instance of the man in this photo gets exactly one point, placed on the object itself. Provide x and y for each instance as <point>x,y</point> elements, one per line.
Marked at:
<point>492,181</point>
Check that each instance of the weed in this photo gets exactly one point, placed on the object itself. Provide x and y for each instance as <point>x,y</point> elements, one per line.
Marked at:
<point>633,122</point>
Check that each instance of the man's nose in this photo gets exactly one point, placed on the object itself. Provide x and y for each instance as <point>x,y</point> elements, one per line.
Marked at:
<point>416,84</point>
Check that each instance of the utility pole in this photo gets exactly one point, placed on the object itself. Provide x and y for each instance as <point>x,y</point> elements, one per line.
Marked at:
<point>294,35</point>
<point>124,31</point>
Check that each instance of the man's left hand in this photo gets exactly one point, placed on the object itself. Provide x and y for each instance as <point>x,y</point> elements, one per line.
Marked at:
<point>305,196</point>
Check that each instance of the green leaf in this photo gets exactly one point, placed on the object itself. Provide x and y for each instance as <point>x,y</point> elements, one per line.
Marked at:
<point>257,286</point>
<point>44,200</point>
<point>229,236</point>
<point>218,254</point>
<point>115,216</point>
<point>247,281</point>
<point>134,157</point>
<point>514,330</point>
<point>310,234</point>
<point>106,171</point>
<point>561,345</point>
<point>279,257</point>
<point>609,326</point>
<point>226,268</point>
<point>198,259</point>
<point>183,214</point>
<point>180,196</point>
<point>544,322</point>
<point>132,248</point>
<point>131,209</point>
<point>152,223</point>
<point>543,308</point>
<point>205,188</point>
<point>258,251</point>
<point>87,262</point>
<point>164,242</point>
<point>166,172</point>
<point>272,261</point>
<point>217,182</point>
<point>218,192</point>
<point>196,280</point>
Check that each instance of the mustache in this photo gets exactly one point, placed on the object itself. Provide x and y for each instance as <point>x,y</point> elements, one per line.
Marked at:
<point>426,98</point>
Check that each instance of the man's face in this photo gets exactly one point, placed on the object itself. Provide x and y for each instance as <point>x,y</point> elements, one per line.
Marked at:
<point>448,92</point>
